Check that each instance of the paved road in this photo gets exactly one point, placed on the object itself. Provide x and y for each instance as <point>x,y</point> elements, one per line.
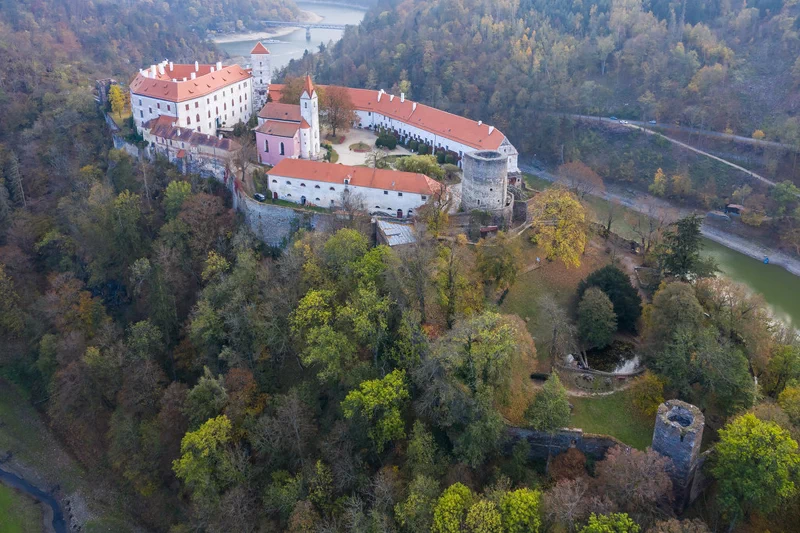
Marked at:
<point>693,131</point>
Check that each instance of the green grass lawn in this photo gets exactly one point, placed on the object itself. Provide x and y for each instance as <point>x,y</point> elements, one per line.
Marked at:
<point>613,415</point>
<point>18,513</point>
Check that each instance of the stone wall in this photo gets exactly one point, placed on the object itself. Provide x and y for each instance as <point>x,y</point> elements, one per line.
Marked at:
<point>484,183</point>
<point>594,446</point>
<point>275,224</point>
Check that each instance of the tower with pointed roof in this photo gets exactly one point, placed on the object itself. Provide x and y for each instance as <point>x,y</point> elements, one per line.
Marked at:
<point>309,110</point>
<point>262,73</point>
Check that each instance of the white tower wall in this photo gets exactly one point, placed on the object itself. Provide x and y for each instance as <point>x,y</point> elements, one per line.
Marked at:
<point>262,77</point>
<point>309,110</point>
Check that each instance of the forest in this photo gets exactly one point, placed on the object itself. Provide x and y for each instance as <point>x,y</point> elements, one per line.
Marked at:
<point>338,385</point>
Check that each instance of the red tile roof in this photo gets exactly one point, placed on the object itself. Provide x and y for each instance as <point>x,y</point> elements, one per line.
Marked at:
<point>279,129</point>
<point>430,119</point>
<point>163,127</point>
<point>304,125</point>
<point>388,180</point>
<point>259,49</point>
<point>279,111</point>
<point>206,82</point>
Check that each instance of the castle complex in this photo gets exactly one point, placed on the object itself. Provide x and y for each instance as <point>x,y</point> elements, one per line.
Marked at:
<point>170,100</point>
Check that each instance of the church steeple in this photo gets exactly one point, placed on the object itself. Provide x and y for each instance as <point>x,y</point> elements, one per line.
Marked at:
<point>308,87</point>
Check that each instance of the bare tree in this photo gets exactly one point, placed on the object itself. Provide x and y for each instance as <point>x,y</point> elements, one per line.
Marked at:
<point>650,225</point>
<point>569,502</point>
<point>337,109</point>
<point>580,179</point>
<point>562,341</point>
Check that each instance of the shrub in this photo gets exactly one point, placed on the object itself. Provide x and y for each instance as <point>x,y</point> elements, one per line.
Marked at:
<point>648,393</point>
<point>423,149</point>
<point>413,145</point>
<point>450,159</point>
<point>386,140</point>
<point>440,157</point>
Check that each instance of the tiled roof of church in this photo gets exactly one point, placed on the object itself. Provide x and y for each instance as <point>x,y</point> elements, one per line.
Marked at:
<point>279,129</point>
<point>454,127</point>
<point>259,49</point>
<point>387,180</point>
<point>163,88</point>
<point>304,125</point>
<point>279,111</point>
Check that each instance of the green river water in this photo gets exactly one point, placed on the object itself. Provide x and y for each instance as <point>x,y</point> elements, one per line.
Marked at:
<point>779,288</point>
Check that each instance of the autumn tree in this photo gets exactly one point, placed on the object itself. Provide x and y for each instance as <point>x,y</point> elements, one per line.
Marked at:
<point>659,185</point>
<point>117,99</point>
<point>636,481</point>
<point>422,164</point>
<point>500,259</point>
<point>380,402</point>
<point>203,460</point>
<point>755,466</point>
<point>451,509</point>
<point>520,511</point>
<point>549,410</point>
<point>336,108</point>
<point>559,224</point>
<point>457,292</point>
<point>679,526</point>
<point>580,179</point>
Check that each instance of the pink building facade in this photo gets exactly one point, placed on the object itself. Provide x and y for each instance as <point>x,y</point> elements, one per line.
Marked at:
<point>277,141</point>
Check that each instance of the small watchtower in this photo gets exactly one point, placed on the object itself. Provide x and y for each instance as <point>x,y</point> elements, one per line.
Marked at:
<point>262,75</point>
<point>678,434</point>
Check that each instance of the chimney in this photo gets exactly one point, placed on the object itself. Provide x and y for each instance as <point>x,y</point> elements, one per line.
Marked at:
<point>413,106</point>
<point>391,98</point>
<point>212,69</point>
<point>402,97</point>
<point>184,78</point>
<point>491,129</point>
<point>196,66</point>
<point>480,123</point>
<point>152,71</point>
<point>194,75</point>
<point>161,69</point>
<point>171,66</point>
<point>219,65</point>
<point>380,93</point>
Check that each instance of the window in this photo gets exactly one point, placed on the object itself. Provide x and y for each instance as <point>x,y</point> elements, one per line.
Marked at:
<point>208,100</point>
<point>197,118</point>
<point>141,114</point>
<point>332,190</point>
<point>274,181</point>
<point>209,114</point>
<point>385,192</point>
<point>245,97</point>
<point>150,109</point>
<point>225,107</point>
<point>316,186</point>
<point>199,129</point>
<point>196,105</point>
<point>347,182</point>
<point>424,197</point>
<point>399,194</point>
<point>223,92</point>
<point>217,110</point>
<point>283,151</point>
<point>158,105</point>
<point>306,105</point>
<point>240,99</point>
<point>369,113</point>
<point>266,149</point>
<point>187,107</point>
<point>209,125</point>
<point>490,189</point>
<point>188,120</point>
<point>316,199</point>
<point>288,183</point>
<point>302,184</point>
<point>215,97</point>
<point>140,101</point>
<point>289,195</point>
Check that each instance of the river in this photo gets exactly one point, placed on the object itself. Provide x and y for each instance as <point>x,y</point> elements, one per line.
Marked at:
<point>780,288</point>
<point>293,45</point>
<point>59,525</point>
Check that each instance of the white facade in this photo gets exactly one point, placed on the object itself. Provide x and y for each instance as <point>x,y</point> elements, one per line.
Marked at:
<point>327,194</point>
<point>374,120</point>
<point>223,107</point>
<point>262,77</point>
<point>309,110</point>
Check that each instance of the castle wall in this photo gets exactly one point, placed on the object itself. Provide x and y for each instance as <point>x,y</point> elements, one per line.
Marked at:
<point>594,446</point>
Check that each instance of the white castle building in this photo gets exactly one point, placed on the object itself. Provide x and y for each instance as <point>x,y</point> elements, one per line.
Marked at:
<point>199,97</point>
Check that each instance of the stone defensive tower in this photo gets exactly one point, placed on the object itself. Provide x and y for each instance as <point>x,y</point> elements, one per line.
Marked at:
<point>262,75</point>
<point>484,185</point>
<point>678,435</point>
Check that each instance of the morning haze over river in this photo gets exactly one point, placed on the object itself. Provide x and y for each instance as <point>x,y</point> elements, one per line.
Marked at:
<point>780,288</point>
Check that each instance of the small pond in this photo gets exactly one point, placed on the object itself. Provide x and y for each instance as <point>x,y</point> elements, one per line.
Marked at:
<point>618,357</point>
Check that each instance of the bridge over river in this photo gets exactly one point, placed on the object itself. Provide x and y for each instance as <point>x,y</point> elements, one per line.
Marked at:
<point>307,25</point>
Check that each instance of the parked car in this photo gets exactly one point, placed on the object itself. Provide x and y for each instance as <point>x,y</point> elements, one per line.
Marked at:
<point>260,197</point>
<point>652,122</point>
<point>612,118</point>
<point>623,121</point>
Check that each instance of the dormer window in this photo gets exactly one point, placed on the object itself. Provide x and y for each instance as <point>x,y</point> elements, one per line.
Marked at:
<point>316,186</point>
<point>274,181</point>
<point>288,182</point>
<point>347,181</point>
<point>302,184</point>
<point>385,192</point>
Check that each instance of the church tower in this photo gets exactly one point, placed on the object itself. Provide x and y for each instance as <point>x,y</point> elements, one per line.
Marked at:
<point>262,73</point>
<point>309,110</point>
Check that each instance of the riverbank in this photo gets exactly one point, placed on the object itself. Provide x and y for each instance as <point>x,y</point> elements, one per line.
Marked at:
<point>307,16</point>
<point>750,249</point>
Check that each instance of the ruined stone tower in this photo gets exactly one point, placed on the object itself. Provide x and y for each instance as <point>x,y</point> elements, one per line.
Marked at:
<point>678,435</point>
<point>484,185</point>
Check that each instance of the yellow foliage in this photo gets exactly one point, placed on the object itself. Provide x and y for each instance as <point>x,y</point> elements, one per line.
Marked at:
<point>559,225</point>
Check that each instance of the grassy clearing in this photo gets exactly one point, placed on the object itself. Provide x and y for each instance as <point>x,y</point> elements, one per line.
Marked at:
<point>360,147</point>
<point>613,415</point>
<point>18,513</point>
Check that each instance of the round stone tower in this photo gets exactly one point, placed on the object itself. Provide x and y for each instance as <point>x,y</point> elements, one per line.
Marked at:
<point>484,185</point>
<point>678,435</point>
